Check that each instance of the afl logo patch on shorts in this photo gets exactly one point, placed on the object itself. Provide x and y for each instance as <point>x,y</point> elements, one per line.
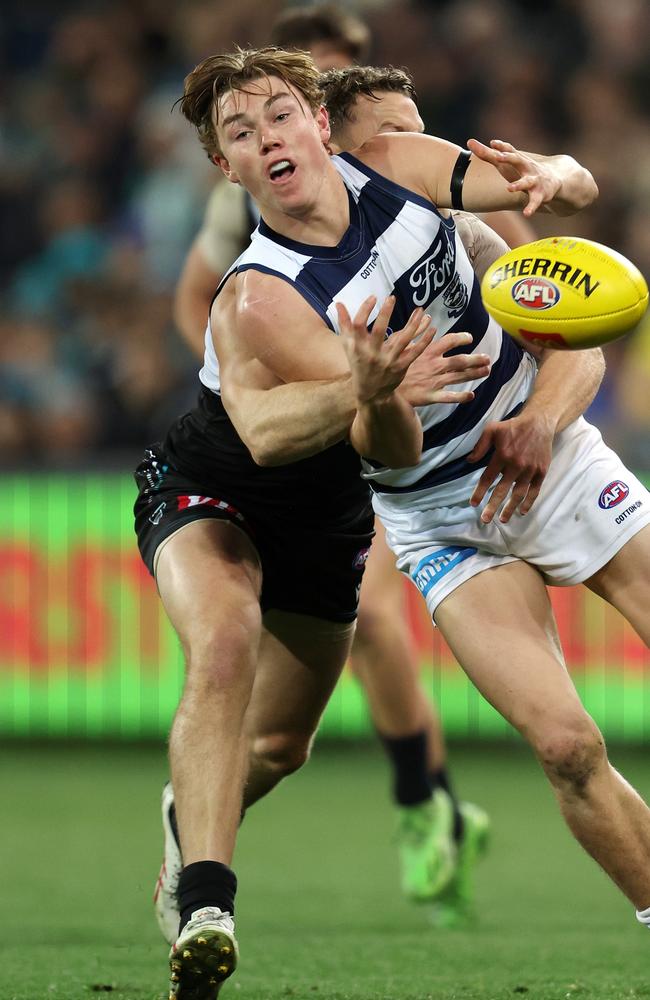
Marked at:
<point>613,494</point>
<point>156,517</point>
<point>535,293</point>
<point>361,558</point>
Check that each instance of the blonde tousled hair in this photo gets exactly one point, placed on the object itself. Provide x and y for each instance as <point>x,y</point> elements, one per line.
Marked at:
<point>218,74</point>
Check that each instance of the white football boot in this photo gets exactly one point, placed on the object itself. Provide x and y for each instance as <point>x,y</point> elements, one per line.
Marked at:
<point>205,954</point>
<point>165,899</point>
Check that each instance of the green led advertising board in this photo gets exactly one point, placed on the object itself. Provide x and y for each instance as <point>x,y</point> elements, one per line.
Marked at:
<point>86,650</point>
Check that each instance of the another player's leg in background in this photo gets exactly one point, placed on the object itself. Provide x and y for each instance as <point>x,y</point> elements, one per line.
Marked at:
<point>432,839</point>
<point>301,659</point>
<point>624,582</point>
<point>512,654</point>
<point>209,580</point>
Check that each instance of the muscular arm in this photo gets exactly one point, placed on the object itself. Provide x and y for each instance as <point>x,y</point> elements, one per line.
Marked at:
<point>287,385</point>
<point>499,177</point>
<point>275,336</point>
<point>285,423</point>
<point>558,183</point>
<point>285,381</point>
<point>565,386</point>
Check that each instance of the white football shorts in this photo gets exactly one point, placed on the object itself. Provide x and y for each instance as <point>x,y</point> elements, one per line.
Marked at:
<point>589,506</point>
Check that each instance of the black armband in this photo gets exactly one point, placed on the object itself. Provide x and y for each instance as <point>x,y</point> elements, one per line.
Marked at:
<point>457,178</point>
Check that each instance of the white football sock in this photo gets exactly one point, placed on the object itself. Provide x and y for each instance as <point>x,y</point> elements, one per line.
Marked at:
<point>643,916</point>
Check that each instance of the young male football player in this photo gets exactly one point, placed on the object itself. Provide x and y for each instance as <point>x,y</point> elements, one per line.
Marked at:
<point>436,845</point>
<point>259,570</point>
<point>338,236</point>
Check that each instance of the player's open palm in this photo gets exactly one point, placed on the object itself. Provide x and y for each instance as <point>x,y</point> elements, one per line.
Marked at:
<point>525,173</point>
<point>379,363</point>
<point>428,377</point>
<point>522,454</point>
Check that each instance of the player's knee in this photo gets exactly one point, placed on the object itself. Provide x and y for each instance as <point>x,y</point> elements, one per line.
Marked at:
<point>221,654</point>
<point>572,754</point>
<point>282,753</point>
<point>373,620</point>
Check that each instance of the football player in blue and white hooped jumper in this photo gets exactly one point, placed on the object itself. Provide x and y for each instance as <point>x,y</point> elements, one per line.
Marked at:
<point>513,481</point>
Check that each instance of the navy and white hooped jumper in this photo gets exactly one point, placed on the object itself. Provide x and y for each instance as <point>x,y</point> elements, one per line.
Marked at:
<point>398,244</point>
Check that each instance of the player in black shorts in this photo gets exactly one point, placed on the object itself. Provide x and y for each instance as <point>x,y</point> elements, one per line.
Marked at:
<point>259,569</point>
<point>310,523</point>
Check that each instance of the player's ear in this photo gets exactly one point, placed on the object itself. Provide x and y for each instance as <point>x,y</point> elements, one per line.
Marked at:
<point>226,169</point>
<point>323,123</point>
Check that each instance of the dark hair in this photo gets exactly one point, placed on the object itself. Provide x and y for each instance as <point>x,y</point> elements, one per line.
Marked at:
<point>217,75</point>
<point>341,87</point>
<point>302,27</point>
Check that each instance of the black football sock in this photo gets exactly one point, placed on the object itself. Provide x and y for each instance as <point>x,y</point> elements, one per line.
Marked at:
<point>440,779</point>
<point>206,883</point>
<point>408,755</point>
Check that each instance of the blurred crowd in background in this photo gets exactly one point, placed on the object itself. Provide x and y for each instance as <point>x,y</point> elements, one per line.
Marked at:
<point>103,186</point>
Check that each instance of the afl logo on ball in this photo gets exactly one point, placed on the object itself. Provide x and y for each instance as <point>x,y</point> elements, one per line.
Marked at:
<point>613,494</point>
<point>535,293</point>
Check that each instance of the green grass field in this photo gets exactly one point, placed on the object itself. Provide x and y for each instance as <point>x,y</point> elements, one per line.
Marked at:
<point>319,911</point>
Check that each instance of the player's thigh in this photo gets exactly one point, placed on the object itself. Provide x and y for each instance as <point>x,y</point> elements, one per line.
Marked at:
<point>625,582</point>
<point>382,614</point>
<point>300,661</point>
<point>383,584</point>
<point>209,578</point>
<point>500,626</point>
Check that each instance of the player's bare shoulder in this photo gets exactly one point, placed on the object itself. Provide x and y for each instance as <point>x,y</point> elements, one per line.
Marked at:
<point>265,305</point>
<point>243,312</point>
<point>421,163</point>
<point>266,318</point>
<point>236,340</point>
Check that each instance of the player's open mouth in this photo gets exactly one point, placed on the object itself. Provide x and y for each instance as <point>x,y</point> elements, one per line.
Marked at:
<point>281,171</point>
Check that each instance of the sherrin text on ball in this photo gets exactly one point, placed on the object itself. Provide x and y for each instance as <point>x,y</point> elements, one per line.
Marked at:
<point>565,292</point>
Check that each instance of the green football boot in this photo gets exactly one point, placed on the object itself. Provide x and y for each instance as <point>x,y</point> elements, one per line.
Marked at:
<point>453,908</point>
<point>426,847</point>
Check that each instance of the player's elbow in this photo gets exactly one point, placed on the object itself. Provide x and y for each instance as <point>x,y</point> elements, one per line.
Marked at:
<point>266,455</point>
<point>597,359</point>
<point>255,428</point>
<point>256,441</point>
<point>266,449</point>
<point>577,189</point>
<point>581,194</point>
<point>407,458</point>
<point>589,190</point>
<point>400,456</point>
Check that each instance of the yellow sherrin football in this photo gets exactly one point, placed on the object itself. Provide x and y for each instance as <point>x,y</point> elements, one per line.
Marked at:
<point>565,292</point>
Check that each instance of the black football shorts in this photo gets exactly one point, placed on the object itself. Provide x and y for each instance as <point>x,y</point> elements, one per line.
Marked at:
<point>306,568</point>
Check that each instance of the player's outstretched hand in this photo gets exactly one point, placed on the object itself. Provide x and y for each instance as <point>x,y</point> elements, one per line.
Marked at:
<point>522,455</point>
<point>536,178</point>
<point>378,364</point>
<point>427,379</point>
